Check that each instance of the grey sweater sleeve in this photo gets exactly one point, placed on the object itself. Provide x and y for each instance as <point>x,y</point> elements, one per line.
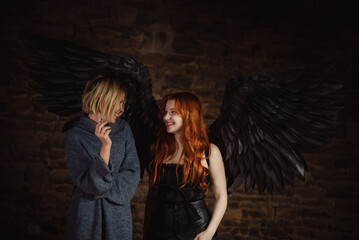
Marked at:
<point>125,181</point>
<point>89,172</point>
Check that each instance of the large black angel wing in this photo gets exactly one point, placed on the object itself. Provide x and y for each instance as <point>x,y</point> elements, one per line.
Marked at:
<point>266,123</point>
<point>61,70</point>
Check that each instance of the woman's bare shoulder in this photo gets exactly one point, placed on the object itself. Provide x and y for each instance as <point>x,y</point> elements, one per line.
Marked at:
<point>214,149</point>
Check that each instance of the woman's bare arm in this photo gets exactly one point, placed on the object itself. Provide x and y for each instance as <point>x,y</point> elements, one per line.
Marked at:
<point>219,188</point>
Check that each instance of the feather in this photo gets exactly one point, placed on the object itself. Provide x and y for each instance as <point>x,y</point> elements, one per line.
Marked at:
<point>61,70</point>
<point>278,116</point>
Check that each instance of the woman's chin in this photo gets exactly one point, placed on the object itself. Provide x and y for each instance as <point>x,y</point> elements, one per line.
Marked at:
<point>171,131</point>
<point>111,120</point>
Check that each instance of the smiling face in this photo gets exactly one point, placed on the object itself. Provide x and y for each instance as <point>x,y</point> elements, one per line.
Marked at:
<point>117,113</point>
<point>103,99</point>
<point>171,118</point>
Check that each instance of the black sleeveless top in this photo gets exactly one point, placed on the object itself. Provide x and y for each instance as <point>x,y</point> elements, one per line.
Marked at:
<point>171,191</point>
<point>178,212</point>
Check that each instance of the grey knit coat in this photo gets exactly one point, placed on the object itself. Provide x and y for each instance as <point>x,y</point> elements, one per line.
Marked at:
<point>100,205</point>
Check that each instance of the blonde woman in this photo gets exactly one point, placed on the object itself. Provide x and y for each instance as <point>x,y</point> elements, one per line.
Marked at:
<point>103,163</point>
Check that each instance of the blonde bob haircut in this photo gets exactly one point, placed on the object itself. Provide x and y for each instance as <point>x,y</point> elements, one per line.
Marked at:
<point>102,95</point>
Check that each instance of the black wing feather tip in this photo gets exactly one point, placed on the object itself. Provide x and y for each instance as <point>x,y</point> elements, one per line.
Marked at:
<point>297,107</point>
<point>61,69</point>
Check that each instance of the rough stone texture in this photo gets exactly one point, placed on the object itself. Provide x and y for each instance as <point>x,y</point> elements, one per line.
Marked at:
<point>187,45</point>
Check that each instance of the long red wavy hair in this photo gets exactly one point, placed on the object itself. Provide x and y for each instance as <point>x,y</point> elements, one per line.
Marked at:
<point>194,141</point>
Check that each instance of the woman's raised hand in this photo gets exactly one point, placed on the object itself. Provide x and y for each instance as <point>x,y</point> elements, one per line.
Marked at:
<point>102,132</point>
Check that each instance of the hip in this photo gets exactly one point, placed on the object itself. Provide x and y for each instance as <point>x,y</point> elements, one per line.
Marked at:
<point>181,220</point>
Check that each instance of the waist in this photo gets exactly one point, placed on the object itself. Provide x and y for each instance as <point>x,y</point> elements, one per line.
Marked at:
<point>174,195</point>
<point>182,203</point>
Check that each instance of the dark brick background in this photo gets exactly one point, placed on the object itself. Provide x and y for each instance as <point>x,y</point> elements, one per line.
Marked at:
<point>187,45</point>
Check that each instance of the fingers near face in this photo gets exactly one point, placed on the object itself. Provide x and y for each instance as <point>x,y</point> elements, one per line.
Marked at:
<point>104,129</point>
<point>101,127</point>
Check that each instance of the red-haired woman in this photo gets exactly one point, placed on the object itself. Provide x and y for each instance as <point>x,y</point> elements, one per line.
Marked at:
<point>183,166</point>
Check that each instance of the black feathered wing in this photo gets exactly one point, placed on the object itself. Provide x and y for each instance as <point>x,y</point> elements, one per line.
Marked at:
<point>266,123</point>
<point>61,70</point>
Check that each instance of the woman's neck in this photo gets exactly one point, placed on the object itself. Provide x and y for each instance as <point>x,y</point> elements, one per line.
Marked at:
<point>177,155</point>
<point>96,118</point>
<point>178,139</point>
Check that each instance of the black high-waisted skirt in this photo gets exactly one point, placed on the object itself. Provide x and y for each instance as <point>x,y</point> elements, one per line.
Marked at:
<point>180,221</point>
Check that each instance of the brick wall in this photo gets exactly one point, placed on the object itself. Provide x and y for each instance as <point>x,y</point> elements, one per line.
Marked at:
<point>187,45</point>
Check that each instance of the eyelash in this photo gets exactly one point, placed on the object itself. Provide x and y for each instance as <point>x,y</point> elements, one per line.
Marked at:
<point>172,112</point>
